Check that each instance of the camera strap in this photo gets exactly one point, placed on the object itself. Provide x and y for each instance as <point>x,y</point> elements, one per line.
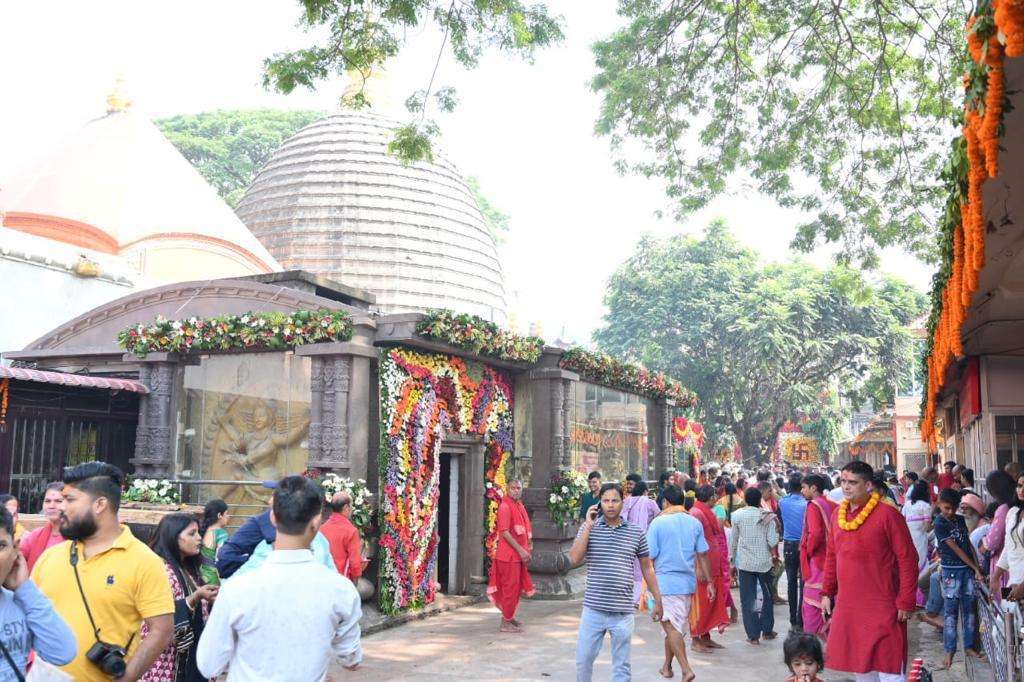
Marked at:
<point>10,662</point>
<point>88,611</point>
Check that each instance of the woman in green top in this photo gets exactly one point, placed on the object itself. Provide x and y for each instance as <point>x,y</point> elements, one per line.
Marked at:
<point>215,518</point>
<point>591,497</point>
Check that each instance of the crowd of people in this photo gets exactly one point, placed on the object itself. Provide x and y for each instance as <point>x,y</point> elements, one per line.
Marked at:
<point>84,599</point>
<point>862,552</point>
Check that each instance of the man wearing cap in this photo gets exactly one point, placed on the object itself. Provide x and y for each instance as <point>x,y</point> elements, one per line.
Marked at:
<point>240,546</point>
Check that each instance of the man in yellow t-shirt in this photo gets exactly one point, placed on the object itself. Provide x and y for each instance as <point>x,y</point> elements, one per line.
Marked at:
<point>124,582</point>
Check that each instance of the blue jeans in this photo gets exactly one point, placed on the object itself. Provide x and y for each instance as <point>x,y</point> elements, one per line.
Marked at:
<point>593,625</point>
<point>756,623</point>
<point>958,595</point>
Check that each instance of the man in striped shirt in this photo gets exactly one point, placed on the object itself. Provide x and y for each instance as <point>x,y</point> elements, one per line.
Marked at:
<point>609,544</point>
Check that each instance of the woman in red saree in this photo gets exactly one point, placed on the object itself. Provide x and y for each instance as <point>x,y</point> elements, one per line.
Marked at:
<point>709,614</point>
<point>813,544</point>
<point>510,577</point>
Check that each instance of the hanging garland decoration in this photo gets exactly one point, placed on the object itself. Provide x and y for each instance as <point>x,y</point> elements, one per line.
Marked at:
<point>423,396</point>
<point>478,336</point>
<point>996,31</point>
<point>271,330</point>
<point>846,524</point>
<point>626,376</point>
<point>5,393</point>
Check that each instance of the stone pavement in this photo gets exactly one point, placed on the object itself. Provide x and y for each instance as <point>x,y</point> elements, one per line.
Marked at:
<point>465,645</point>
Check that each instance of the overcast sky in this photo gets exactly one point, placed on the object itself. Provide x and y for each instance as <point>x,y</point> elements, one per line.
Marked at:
<point>525,131</point>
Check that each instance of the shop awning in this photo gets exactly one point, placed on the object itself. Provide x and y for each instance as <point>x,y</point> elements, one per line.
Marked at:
<point>65,379</point>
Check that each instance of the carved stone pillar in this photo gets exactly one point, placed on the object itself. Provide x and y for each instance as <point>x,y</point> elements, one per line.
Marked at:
<point>663,446</point>
<point>155,434</point>
<point>339,412</point>
<point>551,393</point>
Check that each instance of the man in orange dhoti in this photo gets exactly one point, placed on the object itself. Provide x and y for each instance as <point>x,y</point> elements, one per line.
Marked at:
<point>510,577</point>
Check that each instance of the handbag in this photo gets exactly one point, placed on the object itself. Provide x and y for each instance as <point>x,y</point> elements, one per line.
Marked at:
<point>184,634</point>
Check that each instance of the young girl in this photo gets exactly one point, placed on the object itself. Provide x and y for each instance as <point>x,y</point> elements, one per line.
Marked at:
<point>803,656</point>
<point>215,517</point>
<point>957,563</point>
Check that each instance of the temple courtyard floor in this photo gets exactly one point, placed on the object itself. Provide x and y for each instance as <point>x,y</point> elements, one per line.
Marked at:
<point>465,644</point>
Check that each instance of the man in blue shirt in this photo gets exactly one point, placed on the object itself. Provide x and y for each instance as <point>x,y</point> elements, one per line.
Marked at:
<point>792,508</point>
<point>679,550</point>
<point>241,545</point>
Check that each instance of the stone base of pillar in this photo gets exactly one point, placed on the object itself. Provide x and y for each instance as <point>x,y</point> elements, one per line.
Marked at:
<point>550,568</point>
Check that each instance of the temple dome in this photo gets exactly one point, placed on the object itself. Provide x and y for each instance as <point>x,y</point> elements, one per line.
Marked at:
<point>332,201</point>
<point>118,186</point>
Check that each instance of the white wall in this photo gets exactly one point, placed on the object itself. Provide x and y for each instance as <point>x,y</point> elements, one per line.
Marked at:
<point>36,298</point>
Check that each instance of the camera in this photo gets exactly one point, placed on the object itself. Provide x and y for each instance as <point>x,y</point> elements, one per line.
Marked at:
<point>107,657</point>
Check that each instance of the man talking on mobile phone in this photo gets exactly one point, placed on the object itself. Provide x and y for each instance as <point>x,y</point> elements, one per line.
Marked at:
<point>609,544</point>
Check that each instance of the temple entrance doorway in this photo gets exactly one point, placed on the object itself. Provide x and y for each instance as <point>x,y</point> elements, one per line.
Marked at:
<point>460,508</point>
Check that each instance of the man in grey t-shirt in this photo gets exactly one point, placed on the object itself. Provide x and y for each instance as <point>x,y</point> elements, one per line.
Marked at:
<point>609,544</point>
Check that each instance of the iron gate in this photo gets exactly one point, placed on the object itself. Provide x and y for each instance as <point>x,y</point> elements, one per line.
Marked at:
<point>50,427</point>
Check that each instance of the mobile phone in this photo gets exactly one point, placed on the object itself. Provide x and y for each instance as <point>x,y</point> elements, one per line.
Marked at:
<point>1005,592</point>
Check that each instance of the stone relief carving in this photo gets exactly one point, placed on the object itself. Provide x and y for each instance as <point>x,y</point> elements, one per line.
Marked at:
<point>328,442</point>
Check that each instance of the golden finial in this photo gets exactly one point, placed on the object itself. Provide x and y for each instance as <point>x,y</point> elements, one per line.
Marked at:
<point>117,100</point>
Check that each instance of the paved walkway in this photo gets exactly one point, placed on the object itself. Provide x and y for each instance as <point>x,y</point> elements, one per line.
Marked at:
<point>465,645</point>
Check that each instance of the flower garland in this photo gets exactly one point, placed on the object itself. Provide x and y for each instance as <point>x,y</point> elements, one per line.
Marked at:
<point>564,495</point>
<point>477,335</point>
<point>627,376</point>
<point>5,394</point>
<point>996,31</point>
<point>423,396</point>
<point>861,517</point>
<point>272,330</point>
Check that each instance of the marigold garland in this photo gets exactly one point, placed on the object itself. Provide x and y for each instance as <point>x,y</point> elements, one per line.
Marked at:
<point>423,396</point>
<point>861,517</point>
<point>995,32</point>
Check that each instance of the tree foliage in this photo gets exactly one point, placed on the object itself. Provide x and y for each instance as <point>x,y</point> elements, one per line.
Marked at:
<point>497,220</point>
<point>759,344</point>
<point>361,35</point>
<point>841,109</point>
<point>230,147</point>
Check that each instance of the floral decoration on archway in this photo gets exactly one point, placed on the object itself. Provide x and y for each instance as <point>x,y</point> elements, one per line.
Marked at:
<point>423,396</point>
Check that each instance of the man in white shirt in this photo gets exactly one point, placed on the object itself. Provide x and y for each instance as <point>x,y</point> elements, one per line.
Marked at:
<point>286,619</point>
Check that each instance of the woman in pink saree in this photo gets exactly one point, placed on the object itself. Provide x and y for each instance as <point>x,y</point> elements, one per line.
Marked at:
<point>813,544</point>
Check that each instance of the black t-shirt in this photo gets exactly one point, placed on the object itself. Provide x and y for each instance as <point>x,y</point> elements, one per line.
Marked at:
<point>955,529</point>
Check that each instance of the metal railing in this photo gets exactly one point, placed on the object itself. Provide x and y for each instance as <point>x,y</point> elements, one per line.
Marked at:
<point>1001,624</point>
<point>239,512</point>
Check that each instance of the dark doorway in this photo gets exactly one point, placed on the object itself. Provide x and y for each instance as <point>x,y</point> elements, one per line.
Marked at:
<point>50,427</point>
<point>444,529</point>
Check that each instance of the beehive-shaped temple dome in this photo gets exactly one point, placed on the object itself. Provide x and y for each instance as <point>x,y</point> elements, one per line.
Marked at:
<point>332,201</point>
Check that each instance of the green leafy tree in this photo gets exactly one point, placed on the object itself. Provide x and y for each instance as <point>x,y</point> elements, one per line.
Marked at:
<point>842,109</point>
<point>758,344</point>
<point>361,35</point>
<point>230,147</point>
<point>826,424</point>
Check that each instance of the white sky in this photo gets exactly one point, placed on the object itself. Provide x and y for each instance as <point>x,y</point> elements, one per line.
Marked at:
<point>524,130</point>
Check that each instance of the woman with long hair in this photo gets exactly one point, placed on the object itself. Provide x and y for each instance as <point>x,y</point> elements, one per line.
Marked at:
<point>1011,560</point>
<point>215,517</point>
<point>177,541</point>
<point>1001,486</point>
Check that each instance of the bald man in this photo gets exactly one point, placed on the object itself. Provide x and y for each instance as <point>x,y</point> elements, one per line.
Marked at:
<point>343,537</point>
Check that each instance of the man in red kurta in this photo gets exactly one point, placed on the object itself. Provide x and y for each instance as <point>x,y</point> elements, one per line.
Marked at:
<point>510,577</point>
<point>709,614</point>
<point>813,546</point>
<point>871,577</point>
<point>343,537</point>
